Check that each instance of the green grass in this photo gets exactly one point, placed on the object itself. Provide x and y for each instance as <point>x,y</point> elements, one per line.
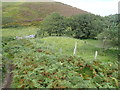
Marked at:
<point>12,32</point>
<point>40,67</point>
<point>84,50</point>
<point>9,34</point>
<point>33,65</point>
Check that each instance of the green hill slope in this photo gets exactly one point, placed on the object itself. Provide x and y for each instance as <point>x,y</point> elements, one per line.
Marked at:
<point>34,11</point>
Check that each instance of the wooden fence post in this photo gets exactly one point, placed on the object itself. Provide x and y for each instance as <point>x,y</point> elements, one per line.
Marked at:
<point>47,47</point>
<point>104,42</point>
<point>75,48</point>
<point>60,50</point>
<point>53,48</point>
<point>44,42</point>
<point>96,53</point>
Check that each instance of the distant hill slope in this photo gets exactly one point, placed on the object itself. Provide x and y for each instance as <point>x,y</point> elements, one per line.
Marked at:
<point>45,8</point>
<point>22,11</point>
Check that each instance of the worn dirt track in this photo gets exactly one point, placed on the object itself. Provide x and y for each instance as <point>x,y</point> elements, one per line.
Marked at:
<point>8,78</point>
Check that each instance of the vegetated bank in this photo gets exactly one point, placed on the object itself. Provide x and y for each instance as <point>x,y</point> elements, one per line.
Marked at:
<point>39,63</point>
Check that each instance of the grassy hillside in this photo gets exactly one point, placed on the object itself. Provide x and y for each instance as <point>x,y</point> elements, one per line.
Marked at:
<point>34,11</point>
<point>49,62</point>
<point>39,63</point>
<point>85,50</point>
